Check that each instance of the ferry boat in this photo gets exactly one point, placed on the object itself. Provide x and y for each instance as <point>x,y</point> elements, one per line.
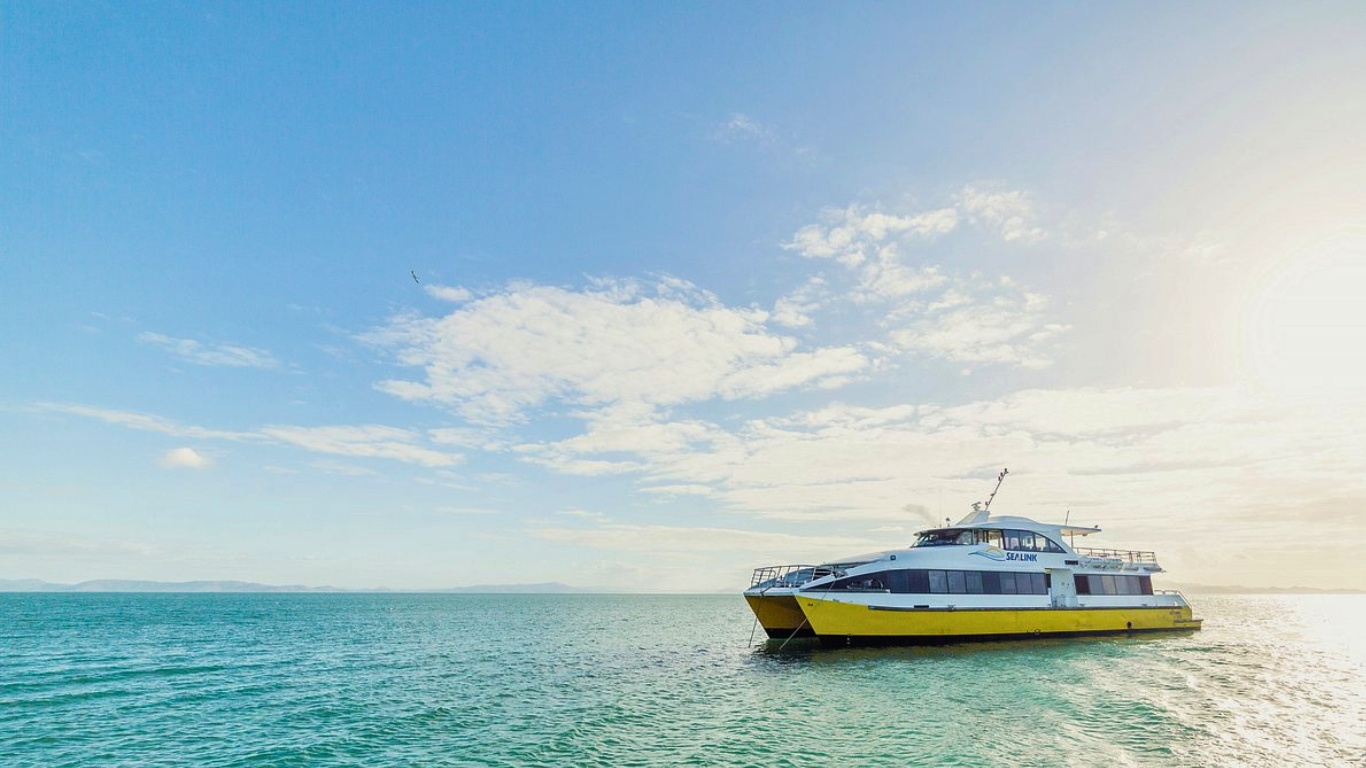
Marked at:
<point>987,577</point>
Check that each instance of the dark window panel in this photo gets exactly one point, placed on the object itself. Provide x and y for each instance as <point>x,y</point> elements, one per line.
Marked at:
<point>991,582</point>
<point>939,582</point>
<point>919,581</point>
<point>899,581</point>
<point>957,584</point>
<point>974,582</point>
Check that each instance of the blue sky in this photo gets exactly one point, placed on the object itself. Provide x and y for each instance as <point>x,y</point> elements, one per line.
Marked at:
<point>699,287</point>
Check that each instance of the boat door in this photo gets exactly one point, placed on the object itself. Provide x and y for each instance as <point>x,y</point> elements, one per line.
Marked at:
<point>1062,588</point>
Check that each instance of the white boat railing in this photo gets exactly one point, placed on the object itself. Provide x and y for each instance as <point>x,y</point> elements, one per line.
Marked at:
<point>787,576</point>
<point>1134,556</point>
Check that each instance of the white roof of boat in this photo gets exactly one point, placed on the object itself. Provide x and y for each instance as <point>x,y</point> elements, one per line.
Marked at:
<point>867,557</point>
<point>984,519</point>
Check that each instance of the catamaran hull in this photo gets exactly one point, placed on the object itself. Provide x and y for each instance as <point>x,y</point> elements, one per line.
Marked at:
<point>780,616</point>
<point>843,623</point>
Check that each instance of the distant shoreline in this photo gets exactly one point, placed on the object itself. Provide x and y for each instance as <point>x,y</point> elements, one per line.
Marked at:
<point>248,587</point>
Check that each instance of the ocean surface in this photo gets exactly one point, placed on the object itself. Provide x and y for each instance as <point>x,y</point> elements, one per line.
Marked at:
<point>633,680</point>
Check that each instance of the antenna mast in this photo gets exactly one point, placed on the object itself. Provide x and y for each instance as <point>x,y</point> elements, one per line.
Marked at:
<point>1001,478</point>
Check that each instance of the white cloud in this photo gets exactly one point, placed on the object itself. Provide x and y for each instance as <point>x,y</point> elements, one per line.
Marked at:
<point>465,437</point>
<point>583,514</point>
<point>927,309</point>
<point>371,441</point>
<point>448,293</point>
<point>741,127</point>
<point>857,234</point>
<point>145,422</point>
<point>693,489</point>
<point>1008,211</point>
<point>621,441</point>
<point>226,355</point>
<point>888,278</point>
<point>66,546</point>
<point>184,458</point>
<point>342,468</point>
<point>1005,326</point>
<point>850,235</point>
<point>466,511</point>
<point>1151,461</point>
<point>664,540</point>
<point>616,343</point>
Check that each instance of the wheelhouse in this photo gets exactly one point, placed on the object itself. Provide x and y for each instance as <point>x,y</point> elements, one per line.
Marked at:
<point>1014,539</point>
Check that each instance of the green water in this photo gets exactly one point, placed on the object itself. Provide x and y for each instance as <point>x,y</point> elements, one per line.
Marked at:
<point>608,680</point>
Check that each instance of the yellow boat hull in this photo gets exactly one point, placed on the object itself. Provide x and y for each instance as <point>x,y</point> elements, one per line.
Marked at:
<point>780,616</point>
<point>849,623</point>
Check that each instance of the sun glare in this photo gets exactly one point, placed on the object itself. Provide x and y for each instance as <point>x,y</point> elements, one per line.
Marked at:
<point>1305,327</point>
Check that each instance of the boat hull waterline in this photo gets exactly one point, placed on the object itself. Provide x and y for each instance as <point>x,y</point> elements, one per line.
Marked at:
<point>842,623</point>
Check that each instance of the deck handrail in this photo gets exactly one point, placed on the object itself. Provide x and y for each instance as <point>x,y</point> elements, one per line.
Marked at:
<point>787,575</point>
<point>1125,555</point>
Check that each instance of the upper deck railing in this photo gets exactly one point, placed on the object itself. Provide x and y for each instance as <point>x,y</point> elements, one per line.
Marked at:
<point>1134,556</point>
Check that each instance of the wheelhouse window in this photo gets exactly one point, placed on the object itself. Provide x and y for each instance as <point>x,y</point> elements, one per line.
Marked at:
<point>939,538</point>
<point>947,537</point>
<point>1029,541</point>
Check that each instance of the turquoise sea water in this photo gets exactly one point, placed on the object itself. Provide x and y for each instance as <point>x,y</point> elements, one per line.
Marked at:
<point>618,680</point>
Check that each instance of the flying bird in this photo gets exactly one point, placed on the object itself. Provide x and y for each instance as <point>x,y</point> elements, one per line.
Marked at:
<point>414,274</point>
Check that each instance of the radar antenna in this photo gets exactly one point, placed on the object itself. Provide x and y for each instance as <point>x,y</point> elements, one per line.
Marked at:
<point>1001,478</point>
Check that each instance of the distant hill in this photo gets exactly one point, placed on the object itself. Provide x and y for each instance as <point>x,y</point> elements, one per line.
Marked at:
<point>543,588</point>
<point>1235,589</point>
<point>119,585</point>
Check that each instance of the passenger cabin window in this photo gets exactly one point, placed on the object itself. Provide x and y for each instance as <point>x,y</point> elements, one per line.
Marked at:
<point>1029,541</point>
<point>871,582</point>
<point>1097,584</point>
<point>919,582</point>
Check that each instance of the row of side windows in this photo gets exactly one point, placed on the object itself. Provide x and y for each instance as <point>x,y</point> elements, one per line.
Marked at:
<point>1108,584</point>
<point>925,582</point>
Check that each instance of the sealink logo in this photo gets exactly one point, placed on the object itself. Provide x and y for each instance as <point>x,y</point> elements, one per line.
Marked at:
<point>993,553</point>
